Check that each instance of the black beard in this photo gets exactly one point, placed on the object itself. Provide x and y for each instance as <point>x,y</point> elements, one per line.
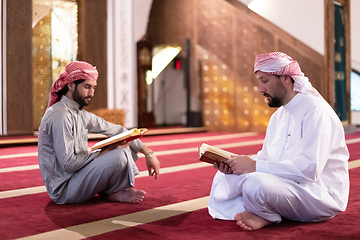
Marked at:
<point>274,101</point>
<point>77,98</point>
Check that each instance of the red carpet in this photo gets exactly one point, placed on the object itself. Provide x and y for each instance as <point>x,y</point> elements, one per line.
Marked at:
<point>199,225</point>
<point>31,214</point>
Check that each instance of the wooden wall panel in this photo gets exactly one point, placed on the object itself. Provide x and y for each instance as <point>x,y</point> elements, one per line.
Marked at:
<point>215,29</point>
<point>216,52</point>
<point>227,48</point>
<point>19,67</point>
<point>93,45</point>
<point>171,22</point>
<point>227,37</point>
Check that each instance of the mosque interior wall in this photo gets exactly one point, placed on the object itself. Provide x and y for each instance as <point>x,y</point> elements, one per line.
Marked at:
<point>225,38</point>
<point>19,93</point>
<point>93,45</point>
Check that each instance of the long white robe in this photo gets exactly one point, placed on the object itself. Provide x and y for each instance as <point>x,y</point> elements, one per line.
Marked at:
<point>72,174</point>
<point>301,171</point>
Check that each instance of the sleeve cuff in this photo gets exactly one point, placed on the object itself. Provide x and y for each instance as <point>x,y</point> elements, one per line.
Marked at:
<point>262,166</point>
<point>136,145</point>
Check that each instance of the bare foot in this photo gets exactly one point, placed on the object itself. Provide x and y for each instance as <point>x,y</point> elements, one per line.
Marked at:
<point>249,221</point>
<point>128,196</point>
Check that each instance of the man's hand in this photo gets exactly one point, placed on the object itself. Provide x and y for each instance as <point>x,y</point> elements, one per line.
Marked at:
<point>223,167</point>
<point>153,166</point>
<point>241,164</point>
<point>152,162</point>
<point>121,144</point>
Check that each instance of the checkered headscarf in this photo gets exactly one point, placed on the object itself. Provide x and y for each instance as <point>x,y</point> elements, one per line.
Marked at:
<point>279,63</point>
<point>74,71</point>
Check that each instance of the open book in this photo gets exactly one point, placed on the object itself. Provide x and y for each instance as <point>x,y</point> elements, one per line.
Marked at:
<point>127,135</point>
<point>212,154</point>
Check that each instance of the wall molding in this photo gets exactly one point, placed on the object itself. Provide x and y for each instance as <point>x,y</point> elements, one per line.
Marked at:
<point>3,128</point>
<point>122,80</point>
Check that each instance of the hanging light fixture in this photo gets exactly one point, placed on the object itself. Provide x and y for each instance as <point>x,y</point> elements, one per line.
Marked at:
<point>162,56</point>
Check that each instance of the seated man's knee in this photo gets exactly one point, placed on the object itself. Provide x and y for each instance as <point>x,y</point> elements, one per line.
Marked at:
<point>259,184</point>
<point>121,156</point>
<point>116,158</point>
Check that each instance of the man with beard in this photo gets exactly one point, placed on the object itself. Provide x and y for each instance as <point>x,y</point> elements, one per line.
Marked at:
<point>301,172</point>
<point>71,174</point>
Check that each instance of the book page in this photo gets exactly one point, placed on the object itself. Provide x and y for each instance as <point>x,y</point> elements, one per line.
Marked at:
<point>206,147</point>
<point>127,135</point>
<point>212,154</point>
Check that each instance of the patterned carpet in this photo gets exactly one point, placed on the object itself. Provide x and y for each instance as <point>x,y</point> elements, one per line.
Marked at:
<point>174,207</point>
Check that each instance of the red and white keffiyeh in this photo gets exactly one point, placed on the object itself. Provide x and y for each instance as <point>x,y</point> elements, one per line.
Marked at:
<point>279,63</point>
<point>74,71</point>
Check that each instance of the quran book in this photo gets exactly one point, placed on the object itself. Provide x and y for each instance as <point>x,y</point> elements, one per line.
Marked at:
<point>127,135</point>
<point>212,154</point>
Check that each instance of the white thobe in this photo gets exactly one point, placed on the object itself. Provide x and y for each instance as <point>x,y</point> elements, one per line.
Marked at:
<point>301,170</point>
<point>70,173</point>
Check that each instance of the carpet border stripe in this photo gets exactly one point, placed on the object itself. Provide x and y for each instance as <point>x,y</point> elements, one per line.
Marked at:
<point>122,221</point>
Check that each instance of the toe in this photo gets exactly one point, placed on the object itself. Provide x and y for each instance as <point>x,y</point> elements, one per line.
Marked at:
<point>238,217</point>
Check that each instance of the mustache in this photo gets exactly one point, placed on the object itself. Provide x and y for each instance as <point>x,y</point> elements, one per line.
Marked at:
<point>266,95</point>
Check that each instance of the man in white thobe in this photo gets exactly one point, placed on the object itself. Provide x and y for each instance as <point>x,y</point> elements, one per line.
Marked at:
<point>70,173</point>
<point>301,172</point>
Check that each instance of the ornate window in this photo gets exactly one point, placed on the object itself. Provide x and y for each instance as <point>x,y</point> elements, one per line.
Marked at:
<point>55,44</point>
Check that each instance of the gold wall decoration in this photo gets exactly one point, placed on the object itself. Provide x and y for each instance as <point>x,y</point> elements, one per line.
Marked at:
<point>116,116</point>
<point>228,43</point>
<point>226,37</point>
<point>54,46</point>
<point>42,74</point>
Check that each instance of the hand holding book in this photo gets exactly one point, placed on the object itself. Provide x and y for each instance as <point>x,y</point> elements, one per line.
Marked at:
<point>215,156</point>
<point>211,154</point>
<point>242,164</point>
<point>108,148</point>
<point>121,138</point>
<point>223,167</point>
<point>226,162</point>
